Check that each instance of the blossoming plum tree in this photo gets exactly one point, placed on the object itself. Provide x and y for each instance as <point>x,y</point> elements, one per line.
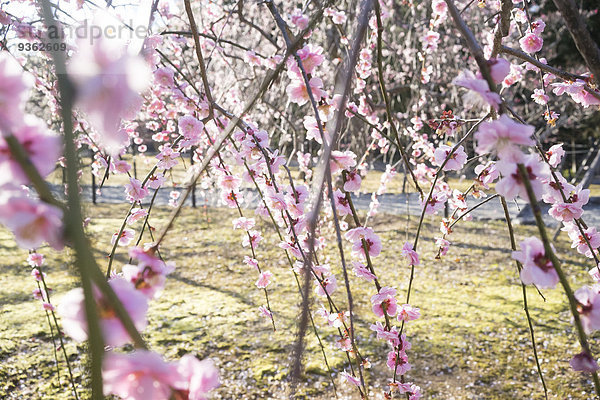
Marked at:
<point>248,90</point>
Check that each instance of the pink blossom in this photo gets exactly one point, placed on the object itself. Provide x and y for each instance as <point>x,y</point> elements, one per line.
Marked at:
<point>14,89</point>
<point>108,81</point>
<point>191,129</point>
<point>410,254</point>
<point>244,223</point>
<point>555,155</point>
<point>253,238</point>
<point>126,237</point>
<point>531,43</point>
<point>391,336</point>
<point>353,181</point>
<point>264,279</point>
<point>229,182</point>
<point>499,69</point>
<point>573,207</point>
<point>41,146</point>
<point>480,87</point>
<point>362,271</point>
<point>455,162</point>
<point>298,93</point>
<point>31,221</point>
<point>299,19</point>
<point>328,285</point>
<point>167,157</point>
<point>408,313</point>
<point>120,166</point>
<point>589,307</point>
<point>156,180</point>
<point>399,363</point>
<point>371,241</point>
<point>311,57</point>
<point>72,312</point>
<point>141,375</point>
<point>135,191</point>
<point>136,214</point>
<point>35,260</point>
<point>486,174</point>
<point>341,203</point>
<point>264,312</point>
<point>435,203</point>
<point>503,136</point>
<point>198,378</point>
<point>350,378</point>
<point>537,267</point>
<point>277,201</point>
<point>511,185</point>
<point>580,242</point>
<point>164,77</point>
<point>148,277</point>
<point>583,362</point>
<point>443,245</point>
<point>342,160</point>
<point>384,302</point>
<point>540,97</point>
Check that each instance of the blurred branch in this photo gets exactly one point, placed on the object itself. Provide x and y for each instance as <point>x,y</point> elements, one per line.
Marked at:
<point>584,41</point>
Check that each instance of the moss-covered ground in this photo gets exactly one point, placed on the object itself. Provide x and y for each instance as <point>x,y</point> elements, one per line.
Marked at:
<point>472,342</point>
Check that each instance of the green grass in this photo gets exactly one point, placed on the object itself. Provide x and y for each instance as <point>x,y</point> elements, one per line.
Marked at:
<point>472,341</point>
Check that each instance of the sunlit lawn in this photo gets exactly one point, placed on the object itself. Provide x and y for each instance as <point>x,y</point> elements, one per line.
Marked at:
<point>472,342</point>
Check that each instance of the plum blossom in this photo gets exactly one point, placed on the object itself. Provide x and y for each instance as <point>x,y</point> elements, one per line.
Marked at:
<point>341,203</point>
<point>342,160</point>
<point>135,191</point>
<point>583,362</point>
<point>435,203</point>
<point>540,97</point>
<point>537,267</point>
<point>264,279</point>
<point>31,221</point>
<point>479,87</point>
<point>72,312</point>
<point>164,77</point>
<point>298,93</point>
<point>353,181</point>
<point>410,254</point>
<point>555,155</point>
<point>41,146</point>
<point>370,238</point>
<point>588,298</point>
<point>454,162</point>
<point>108,81</point>
<point>503,136</point>
<point>327,286</point>
<point>138,376</point>
<point>125,238</point>
<point>531,43</point>
<point>572,208</point>
<point>167,157</point>
<point>149,275</point>
<point>499,69</point>
<point>350,378</point>
<point>199,377</point>
<point>191,129</point>
<point>400,363</point>
<point>135,215</point>
<point>14,89</point>
<point>384,302</point>
<point>579,242</point>
<point>408,313</point>
<point>362,271</point>
<point>511,185</point>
